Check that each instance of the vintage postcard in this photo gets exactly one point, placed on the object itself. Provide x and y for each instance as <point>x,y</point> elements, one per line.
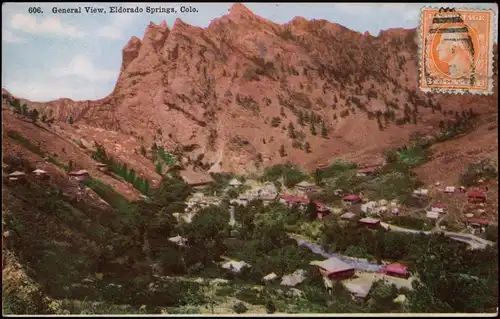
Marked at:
<point>456,50</point>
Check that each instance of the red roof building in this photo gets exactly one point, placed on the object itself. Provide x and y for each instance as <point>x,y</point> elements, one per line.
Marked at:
<point>396,270</point>
<point>480,221</point>
<point>352,198</point>
<point>476,196</point>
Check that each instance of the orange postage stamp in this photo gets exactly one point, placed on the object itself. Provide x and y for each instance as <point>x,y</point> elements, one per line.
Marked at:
<point>456,50</point>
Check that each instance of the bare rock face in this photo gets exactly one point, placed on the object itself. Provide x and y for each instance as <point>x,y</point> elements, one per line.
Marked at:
<point>245,86</point>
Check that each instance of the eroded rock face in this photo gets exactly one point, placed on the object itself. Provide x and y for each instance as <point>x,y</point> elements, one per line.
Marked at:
<point>222,85</point>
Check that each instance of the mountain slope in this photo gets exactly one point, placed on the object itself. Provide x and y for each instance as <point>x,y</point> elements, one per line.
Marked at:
<point>235,93</point>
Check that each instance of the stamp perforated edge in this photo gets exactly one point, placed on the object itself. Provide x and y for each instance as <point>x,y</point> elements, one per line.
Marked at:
<point>494,35</point>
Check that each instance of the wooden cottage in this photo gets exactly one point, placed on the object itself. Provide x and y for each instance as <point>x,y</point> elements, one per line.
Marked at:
<point>196,179</point>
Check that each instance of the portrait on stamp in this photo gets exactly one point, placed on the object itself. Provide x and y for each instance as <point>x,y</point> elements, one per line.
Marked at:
<point>456,53</point>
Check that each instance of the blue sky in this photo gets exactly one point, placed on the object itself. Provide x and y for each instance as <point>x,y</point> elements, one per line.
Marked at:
<point>48,56</point>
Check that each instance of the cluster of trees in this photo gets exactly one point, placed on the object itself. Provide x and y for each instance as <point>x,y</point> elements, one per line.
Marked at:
<point>160,157</point>
<point>485,169</point>
<point>33,115</point>
<point>128,174</point>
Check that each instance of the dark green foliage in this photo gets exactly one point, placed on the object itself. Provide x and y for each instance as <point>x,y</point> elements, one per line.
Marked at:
<point>313,128</point>
<point>129,176</point>
<point>411,222</point>
<point>70,120</point>
<point>311,211</point>
<point>485,169</point>
<point>270,307</point>
<point>33,115</point>
<point>300,118</point>
<point>324,131</point>
<point>240,307</point>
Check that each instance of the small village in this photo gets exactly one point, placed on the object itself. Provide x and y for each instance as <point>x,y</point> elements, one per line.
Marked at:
<point>357,275</point>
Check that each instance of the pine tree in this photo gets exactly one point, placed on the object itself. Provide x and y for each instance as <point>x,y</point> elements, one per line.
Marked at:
<point>282,151</point>
<point>33,115</point>
<point>70,119</point>
<point>282,112</point>
<point>324,131</point>
<point>143,150</point>
<point>306,117</point>
<point>291,131</point>
<point>307,147</point>
<point>24,110</point>
<point>313,129</point>
<point>146,186</point>
<point>300,118</point>
<point>159,168</point>
<point>379,122</point>
<point>17,107</point>
<point>131,177</point>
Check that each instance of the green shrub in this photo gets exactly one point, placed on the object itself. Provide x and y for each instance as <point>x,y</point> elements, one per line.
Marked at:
<point>240,307</point>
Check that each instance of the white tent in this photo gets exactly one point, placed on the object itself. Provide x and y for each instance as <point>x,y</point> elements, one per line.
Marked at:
<point>16,174</point>
<point>359,290</point>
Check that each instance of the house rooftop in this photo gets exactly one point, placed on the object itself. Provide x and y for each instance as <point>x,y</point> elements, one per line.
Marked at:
<point>305,184</point>
<point>333,265</point>
<point>397,268</point>
<point>194,178</point>
<point>39,171</point>
<point>78,173</point>
<point>476,193</point>
<point>235,182</point>
<point>348,215</point>
<point>352,197</point>
<point>480,221</point>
